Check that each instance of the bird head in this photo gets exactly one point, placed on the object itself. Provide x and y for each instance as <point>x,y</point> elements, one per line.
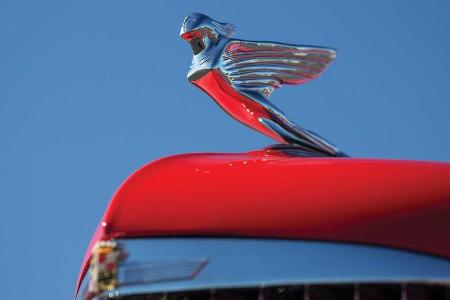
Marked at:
<point>200,31</point>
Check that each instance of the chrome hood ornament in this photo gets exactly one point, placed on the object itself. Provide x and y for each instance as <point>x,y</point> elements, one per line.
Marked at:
<point>241,75</point>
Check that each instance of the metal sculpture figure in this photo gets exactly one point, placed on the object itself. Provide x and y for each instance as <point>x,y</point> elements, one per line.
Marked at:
<point>241,75</point>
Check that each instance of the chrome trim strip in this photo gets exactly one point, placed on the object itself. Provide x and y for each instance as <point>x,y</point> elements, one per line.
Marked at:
<point>268,262</point>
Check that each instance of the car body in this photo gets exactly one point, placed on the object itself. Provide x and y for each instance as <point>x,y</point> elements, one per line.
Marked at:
<point>273,224</point>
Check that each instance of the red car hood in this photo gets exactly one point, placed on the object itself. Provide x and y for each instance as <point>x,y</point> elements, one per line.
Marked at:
<point>403,204</point>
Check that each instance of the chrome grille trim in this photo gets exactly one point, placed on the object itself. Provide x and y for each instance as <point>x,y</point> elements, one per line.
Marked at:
<point>357,291</point>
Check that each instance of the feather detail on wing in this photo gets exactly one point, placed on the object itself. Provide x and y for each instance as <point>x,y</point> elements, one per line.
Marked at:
<point>265,66</point>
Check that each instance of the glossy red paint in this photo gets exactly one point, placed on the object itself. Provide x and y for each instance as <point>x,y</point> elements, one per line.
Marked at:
<point>238,106</point>
<point>191,35</point>
<point>404,204</point>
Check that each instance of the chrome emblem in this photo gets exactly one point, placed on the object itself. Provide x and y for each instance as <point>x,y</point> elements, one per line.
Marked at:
<point>104,263</point>
<point>241,76</point>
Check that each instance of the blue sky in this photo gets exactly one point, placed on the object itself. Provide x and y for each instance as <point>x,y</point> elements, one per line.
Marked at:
<point>92,90</point>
